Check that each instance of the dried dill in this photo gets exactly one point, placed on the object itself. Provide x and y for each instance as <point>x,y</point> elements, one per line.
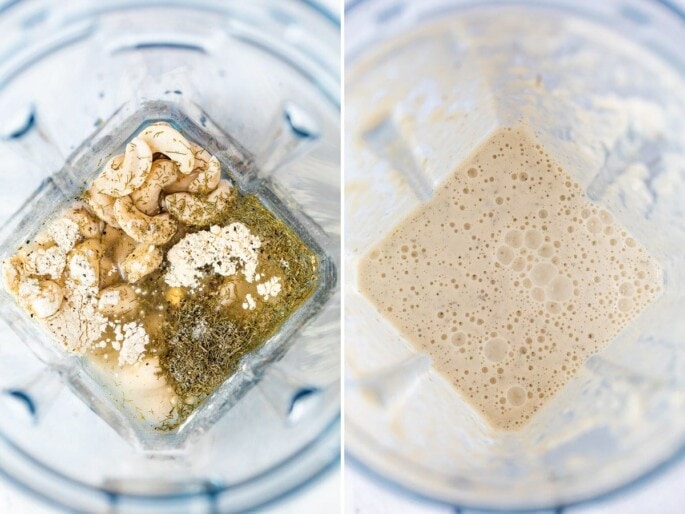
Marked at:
<point>201,340</point>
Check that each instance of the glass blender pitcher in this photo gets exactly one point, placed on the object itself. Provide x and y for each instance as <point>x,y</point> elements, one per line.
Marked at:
<point>602,86</point>
<point>257,83</point>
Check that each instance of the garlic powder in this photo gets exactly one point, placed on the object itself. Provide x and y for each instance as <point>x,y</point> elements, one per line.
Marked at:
<point>64,232</point>
<point>249,303</point>
<point>270,288</point>
<point>226,250</point>
<point>135,339</point>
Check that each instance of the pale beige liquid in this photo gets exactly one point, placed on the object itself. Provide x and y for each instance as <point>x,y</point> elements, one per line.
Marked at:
<point>509,277</point>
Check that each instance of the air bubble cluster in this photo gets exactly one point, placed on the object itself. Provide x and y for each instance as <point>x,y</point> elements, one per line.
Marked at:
<point>509,277</point>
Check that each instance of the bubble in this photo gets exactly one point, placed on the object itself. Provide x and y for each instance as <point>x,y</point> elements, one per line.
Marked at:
<point>605,217</point>
<point>505,255</point>
<point>625,304</point>
<point>553,308</point>
<point>585,213</point>
<point>519,264</point>
<point>459,339</point>
<point>472,172</point>
<point>532,239</point>
<point>496,349</point>
<point>546,251</point>
<point>375,254</point>
<point>538,294</point>
<point>542,273</point>
<point>593,225</point>
<point>542,213</point>
<point>559,289</point>
<point>513,238</point>
<point>516,396</point>
<point>626,289</point>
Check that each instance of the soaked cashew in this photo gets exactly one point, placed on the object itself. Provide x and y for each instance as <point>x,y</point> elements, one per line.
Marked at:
<point>87,225</point>
<point>83,262</point>
<point>141,262</point>
<point>102,205</point>
<point>117,300</point>
<point>200,210</point>
<point>163,138</point>
<point>162,174</point>
<point>124,174</point>
<point>204,177</point>
<point>41,298</point>
<point>150,230</point>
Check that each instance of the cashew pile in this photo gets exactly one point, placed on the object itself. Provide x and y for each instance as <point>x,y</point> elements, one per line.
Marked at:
<point>112,240</point>
<point>161,179</point>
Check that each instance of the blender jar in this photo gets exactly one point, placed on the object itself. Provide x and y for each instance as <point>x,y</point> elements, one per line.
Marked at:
<point>256,83</point>
<point>602,86</point>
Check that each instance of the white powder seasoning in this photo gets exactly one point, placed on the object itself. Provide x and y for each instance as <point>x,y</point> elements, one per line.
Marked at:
<point>78,325</point>
<point>227,250</point>
<point>135,339</point>
<point>46,261</point>
<point>269,289</point>
<point>64,232</point>
<point>250,303</point>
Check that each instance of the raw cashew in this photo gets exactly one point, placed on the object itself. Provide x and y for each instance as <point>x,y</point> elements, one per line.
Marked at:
<point>200,210</point>
<point>207,179</point>
<point>182,183</point>
<point>150,230</point>
<point>102,205</point>
<point>201,155</point>
<point>109,273</point>
<point>87,225</point>
<point>124,174</point>
<point>117,300</point>
<point>13,268</point>
<point>204,178</point>
<point>42,298</point>
<point>162,174</point>
<point>141,262</point>
<point>44,260</point>
<point>163,138</point>
<point>83,264</point>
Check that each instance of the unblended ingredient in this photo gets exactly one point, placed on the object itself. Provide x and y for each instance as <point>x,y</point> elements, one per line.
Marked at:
<point>162,272</point>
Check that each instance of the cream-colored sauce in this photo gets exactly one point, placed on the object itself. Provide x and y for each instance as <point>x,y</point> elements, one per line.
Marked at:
<point>509,277</point>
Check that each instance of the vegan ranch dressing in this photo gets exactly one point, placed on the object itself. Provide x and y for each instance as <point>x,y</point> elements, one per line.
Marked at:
<point>509,277</point>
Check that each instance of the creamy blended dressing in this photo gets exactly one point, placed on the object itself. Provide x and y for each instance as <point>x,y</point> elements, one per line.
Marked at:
<point>509,278</point>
